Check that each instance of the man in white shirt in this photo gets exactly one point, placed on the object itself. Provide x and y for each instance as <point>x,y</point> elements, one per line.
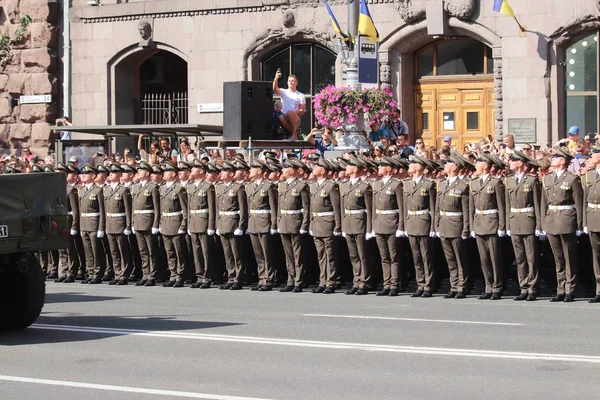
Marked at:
<point>294,104</point>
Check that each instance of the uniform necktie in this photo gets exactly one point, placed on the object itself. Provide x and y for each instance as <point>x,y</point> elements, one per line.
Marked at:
<point>517,179</point>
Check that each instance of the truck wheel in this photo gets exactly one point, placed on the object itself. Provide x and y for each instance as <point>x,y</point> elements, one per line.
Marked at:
<point>22,291</point>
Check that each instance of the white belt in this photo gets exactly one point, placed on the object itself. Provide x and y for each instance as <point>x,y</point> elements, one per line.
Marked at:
<point>521,210</point>
<point>386,212</point>
<point>95,214</point>
<point>486,212</point>
<point>323,214</point>
<point>420,212</point>
<point>562,208</point>
<point>260,211</point>
<point>451,213</point>
<point>143,211</point>
<point>354,212</point>
<point>594,206</point>
<point>230,213</point>
<point>70,213</point>
<point>290,212</point>
<point>116,215</point>
<point>172,214</point>
<point>202,211</point>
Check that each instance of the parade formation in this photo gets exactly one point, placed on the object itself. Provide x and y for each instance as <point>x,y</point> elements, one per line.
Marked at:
<point>192,218</point>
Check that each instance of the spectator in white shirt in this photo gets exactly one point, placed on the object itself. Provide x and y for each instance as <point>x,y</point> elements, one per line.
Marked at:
<point>294,104</point>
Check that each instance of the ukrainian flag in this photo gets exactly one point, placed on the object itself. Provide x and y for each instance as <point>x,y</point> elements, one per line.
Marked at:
<point>366,26</point>
<point>335,24</point>
<point>503,7</point>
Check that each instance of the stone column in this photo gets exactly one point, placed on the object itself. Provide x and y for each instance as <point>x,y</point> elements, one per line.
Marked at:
<point>385,70</point>
<point>498,112</point>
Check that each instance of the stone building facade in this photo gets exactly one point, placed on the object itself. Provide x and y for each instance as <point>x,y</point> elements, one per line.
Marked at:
<point>32,71</point>
<point>457,67</point>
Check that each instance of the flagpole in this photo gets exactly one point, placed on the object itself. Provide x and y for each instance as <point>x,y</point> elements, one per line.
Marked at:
<point>518,23</point>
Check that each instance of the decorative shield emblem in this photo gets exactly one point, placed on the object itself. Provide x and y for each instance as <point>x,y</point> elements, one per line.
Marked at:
<point>262,193</point>
<point>490,190</point>
<point>118,196</point>
<point>565,186</point>
<point>231,193</point>
<point>358,193</point>
<point>93,197</point>
<point>147,193</point>
<point>174,196</point>
<point>202,193</point>
<point>389,191</point>
<point>422,192</point>
<point>323,194</point>
<point>295,192</point>
<point>526,188</point>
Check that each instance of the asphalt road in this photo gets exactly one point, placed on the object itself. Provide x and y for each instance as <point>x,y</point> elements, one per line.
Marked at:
<point>105,342</point>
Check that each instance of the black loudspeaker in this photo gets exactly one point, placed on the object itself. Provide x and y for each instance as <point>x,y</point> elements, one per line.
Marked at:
<point>248,110</point>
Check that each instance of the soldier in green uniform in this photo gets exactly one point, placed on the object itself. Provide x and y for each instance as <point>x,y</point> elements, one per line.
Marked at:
<point>69,259</point>
<point>325,223</point>
<point>173,224</point>
<point>562,221</point>
<point>357,205</point>
<point>488,224</point>
<point>523,195</point>
<point>591,214</point>
<point>92,222</point>
<point>419,206</point>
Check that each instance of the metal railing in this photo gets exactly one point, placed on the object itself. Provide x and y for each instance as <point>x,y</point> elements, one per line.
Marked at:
<point>165,108</point>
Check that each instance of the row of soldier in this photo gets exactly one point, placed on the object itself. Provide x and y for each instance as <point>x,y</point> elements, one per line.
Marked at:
<point>191,206</point>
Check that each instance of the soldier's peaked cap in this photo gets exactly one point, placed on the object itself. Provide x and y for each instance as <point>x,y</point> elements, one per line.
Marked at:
<point>227,166</point>
<point>157,169</point>
<point>169,166</point>
<point>184,166</point>
<point>322,162</point>
<point>37,168</point>
<point>115,168</point>
<point>416,159</point>
<point>144,166</point>
<point>88,169</point>
<point>518,156</point>
<point>563,152</point>
<point>101,169</point>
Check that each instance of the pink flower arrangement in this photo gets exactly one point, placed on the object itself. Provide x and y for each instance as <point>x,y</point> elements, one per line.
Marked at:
<point>334,106</point>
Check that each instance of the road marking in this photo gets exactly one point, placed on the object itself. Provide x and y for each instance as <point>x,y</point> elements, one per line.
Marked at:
<point>126,389</point>
<point>328,345</point>
<point>446,321</point>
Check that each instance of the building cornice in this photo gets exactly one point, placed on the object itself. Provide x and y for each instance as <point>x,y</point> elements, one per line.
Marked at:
<point>188,8</point>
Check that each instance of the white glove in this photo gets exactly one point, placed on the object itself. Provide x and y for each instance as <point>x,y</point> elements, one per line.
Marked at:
<point>338,233</point>
<point>432,234</point>
<point>126,232</point>
<point>189,233</point>
<point>218,233</point>
<point>369,236</point>
<point>155,231</point>
<point>210,232</point>
<point>501,233</point>
<point>578,232</point>
<point>543,235</point>
<point>537,233</point>
<point>399,233</point>
<point>181,232</point>
<point>100,234</point>
<point>586,230</point>
<point>303,232</point>
<point>464,237</point>
<point>310,233</point>
<point>133,230</point>
<point>473,234</point>
<point>73,232</point>
<point>274,231</point>
<point>508,233</point>
<point>437,234</point>
<point>343,234</point>
<point>246,233</point>
<point>238,232</point>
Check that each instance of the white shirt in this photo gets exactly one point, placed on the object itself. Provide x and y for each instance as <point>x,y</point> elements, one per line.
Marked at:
<point>113,186</point>
<point>520,177</point>
<point>169,184</point>
<point>291,100</point>
<point>354,181</point>
<point>452,180</point>
<point>560,172</point>
<point>143,183</point>
<point>418,180</point>
<point>290,180</point>
<point>258,182</point>
<point>88,186</point>
<point>321,181</point>
<point>484,177</point>
<point>386,179</point>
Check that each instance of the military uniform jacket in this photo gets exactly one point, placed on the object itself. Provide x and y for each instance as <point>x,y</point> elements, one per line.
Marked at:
<point>419,206</point>
<point>73,206</point>
<point>261,198</point>
<point>524,201</point>
<point>452,198</point>
<point>91,201</point>
<point>485,197</point>
<point>146,206</point>
<point>173,209</point>
<point>293,198</point>
<point>591,201</point>
<point>201,207</point>
<point>118,209</point>
<point>325,198</point>
<point>388,207</point>
<point>232,208</point>
<point>564,191</point>
<point>356,198</point>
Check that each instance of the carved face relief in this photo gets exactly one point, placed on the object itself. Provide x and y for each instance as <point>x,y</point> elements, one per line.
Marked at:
<point>411,10</point>
<point>461,9</point>
<point>145,30</point>
<point>384,73</point>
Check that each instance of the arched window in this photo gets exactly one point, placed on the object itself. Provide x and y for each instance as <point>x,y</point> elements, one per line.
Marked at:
<point>581,81</point>
<point>313,64</point>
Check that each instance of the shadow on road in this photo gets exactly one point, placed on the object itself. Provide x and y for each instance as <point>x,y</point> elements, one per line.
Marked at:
<point>73,297</point>
<point>38,334</point>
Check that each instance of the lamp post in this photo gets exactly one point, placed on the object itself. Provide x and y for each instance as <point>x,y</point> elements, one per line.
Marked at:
<point>352,62</point>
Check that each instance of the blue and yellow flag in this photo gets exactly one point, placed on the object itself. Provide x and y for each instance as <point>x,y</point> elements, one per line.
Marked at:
<point>503,7</point>
<point>335,24</point>
<point>366,26</point>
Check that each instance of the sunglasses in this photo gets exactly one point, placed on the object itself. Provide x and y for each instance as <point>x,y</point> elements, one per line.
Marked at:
<point>418,142</point>
<point>526,148</point>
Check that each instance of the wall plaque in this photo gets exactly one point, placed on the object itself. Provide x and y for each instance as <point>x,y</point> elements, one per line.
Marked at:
<point>523,129</point>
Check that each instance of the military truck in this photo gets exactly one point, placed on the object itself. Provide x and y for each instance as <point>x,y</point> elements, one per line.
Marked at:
<point>33,218</point>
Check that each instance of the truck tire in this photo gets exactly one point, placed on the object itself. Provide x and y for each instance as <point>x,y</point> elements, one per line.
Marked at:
<point>22,291</point>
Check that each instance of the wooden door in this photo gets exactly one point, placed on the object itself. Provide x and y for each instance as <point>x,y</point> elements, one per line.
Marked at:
<point>461,109</point>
